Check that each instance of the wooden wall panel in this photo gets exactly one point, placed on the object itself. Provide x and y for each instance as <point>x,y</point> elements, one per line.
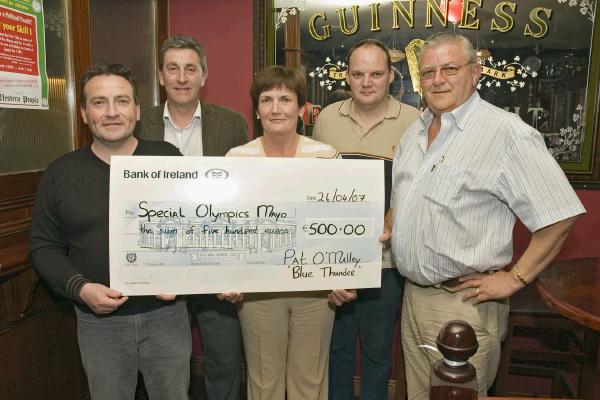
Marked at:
<point>40,359</point>
<point>38,343</point>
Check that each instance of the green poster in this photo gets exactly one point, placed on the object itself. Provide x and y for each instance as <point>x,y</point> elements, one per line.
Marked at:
<point>23,78</point>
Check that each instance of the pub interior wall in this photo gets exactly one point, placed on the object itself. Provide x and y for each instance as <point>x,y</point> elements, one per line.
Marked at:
<point>225,29</point>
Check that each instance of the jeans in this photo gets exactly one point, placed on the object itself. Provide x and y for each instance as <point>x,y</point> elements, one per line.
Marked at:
<point>158,343</point>
<point>372,317</point>
<point>222,346</point>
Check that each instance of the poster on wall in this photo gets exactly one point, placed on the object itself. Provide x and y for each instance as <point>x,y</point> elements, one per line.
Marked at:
<point>539,58</point>
<point>23,78</point>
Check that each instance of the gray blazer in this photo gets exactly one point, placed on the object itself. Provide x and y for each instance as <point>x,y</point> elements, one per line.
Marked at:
<point>222,128</point>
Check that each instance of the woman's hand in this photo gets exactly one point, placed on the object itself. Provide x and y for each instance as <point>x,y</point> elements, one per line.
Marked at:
<point>386,235</point>
<point>166,297</point>
<point>387,226</point>
<point>341,296</point>
<point>232,297</point>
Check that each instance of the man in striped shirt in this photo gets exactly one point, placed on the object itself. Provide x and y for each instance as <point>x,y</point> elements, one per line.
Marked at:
<point>461,174</point>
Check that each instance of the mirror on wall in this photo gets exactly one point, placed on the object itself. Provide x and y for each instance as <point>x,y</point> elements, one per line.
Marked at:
<point>539,58</point>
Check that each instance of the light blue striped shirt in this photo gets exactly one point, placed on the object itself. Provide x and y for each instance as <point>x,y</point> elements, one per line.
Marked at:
<point>187,139</point>
<point>455,203</point>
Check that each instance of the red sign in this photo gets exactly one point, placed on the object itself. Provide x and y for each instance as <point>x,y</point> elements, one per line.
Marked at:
<point>18,43</point>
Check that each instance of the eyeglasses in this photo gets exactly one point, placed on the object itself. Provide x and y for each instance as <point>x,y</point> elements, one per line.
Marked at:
<point>446,71</point>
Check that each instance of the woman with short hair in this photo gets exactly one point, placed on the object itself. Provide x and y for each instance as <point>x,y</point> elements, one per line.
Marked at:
<point>286,335</point>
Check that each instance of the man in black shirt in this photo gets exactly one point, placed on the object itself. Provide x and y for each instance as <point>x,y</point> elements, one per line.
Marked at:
<point>118,336</point>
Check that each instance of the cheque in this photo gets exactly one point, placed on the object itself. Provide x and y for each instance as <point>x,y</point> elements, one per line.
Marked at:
<point>184,225</point>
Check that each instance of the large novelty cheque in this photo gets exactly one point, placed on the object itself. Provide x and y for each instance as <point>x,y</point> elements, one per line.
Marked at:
<point>183,225</point>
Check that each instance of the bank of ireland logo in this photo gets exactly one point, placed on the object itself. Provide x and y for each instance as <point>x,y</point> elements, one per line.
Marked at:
<point>217,174</point>
<point>131,257</point>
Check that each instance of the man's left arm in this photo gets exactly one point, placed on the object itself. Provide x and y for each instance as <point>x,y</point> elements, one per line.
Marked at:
<point>544,245</point>
<point>536,189</point>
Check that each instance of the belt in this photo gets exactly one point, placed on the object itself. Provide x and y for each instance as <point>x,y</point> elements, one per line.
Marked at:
<point>451,285</point>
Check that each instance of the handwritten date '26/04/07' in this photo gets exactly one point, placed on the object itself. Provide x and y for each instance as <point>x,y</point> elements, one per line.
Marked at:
<point>338,196</point>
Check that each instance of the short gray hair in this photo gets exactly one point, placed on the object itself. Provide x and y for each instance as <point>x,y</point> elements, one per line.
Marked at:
<point>183,42</point>
<point>447,37</point>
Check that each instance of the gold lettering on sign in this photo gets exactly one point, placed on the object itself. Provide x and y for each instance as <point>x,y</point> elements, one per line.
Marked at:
<point>334,73</point>
<point>375,17</point>
<point>535,17</point>
<point>509,73</point>
<point>313,31</point>
<point>399,9</point>
<point>432,6</point>
<point>501,20</point>
<point>343,24</point>
<point>469,12</point>
<point>504,16</point>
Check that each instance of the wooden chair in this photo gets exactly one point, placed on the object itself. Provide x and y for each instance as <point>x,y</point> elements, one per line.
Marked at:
<point>542,343</point>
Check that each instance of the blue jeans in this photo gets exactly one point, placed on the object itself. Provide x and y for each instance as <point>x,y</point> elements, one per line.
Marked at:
<point>158,343</point>
<point>372,317</point>
<point>222,346</point>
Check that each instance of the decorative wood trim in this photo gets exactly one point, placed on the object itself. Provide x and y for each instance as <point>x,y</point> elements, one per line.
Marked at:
<point>18,203</point>
<point>16,187</point>
<point>162,23</point>
<point>13,259</point>
<point>591,180</point>
<point>263,41</point>
<point>260,34</point>
<point>163,19</point>
<point>82,60</point>
<point>292,41</point>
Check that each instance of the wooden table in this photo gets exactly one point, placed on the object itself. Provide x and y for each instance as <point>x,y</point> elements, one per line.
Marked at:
<point>572,287</point>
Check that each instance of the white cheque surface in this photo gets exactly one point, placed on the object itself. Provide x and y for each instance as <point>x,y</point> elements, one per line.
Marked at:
<point>184,225</point>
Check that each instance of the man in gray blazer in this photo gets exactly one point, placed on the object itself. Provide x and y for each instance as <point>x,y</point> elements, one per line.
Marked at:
<point>200,129</point>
